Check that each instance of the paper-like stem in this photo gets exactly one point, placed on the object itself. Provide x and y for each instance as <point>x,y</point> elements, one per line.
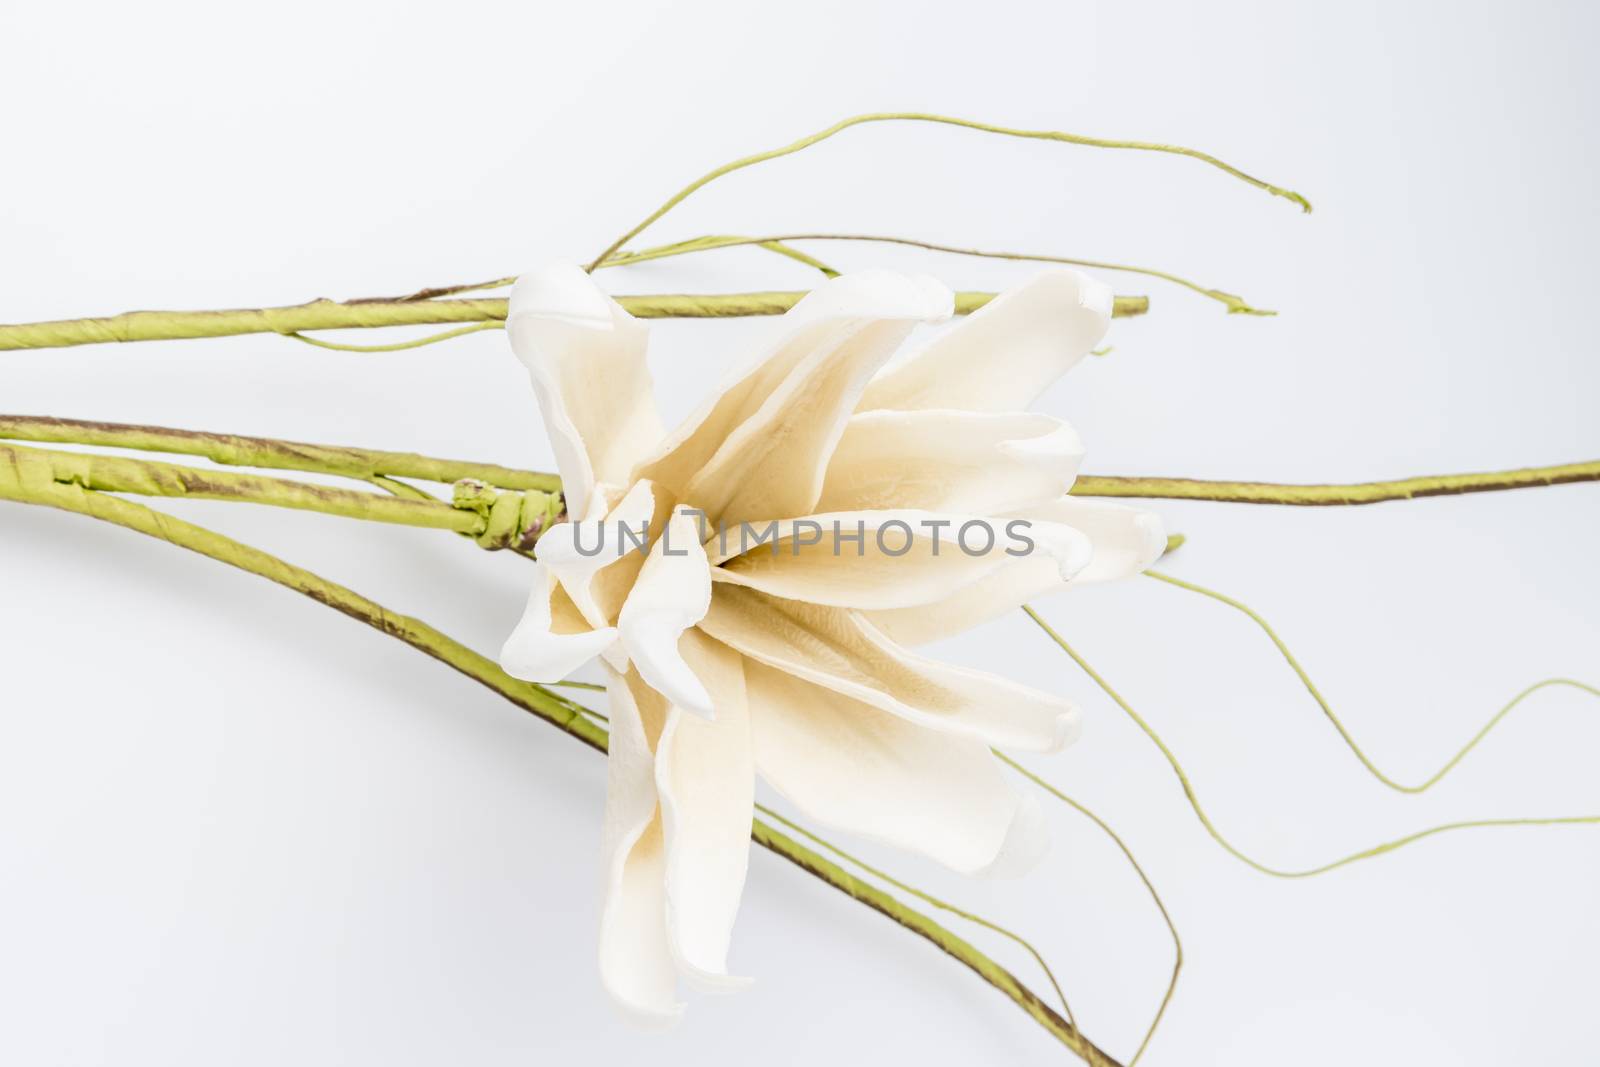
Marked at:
<point>1193,797</point>
<point>1332,495</point>
<point>363,314</point>
<point>947,120</point>
<point>369,464</point>
<point>32,483</point>
<point>1235,304</point>
<point>233,450</point>
<point>120,474</point>
<point>495,519</point>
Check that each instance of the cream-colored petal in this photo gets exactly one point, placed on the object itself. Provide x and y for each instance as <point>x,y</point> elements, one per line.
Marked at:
<point>760,447</point>
<point>598,558</point>
<point>553,639</point>
<point>670,595</point>
<point>839,650</point>
<point>853,767</point>
<point>586,356</point>
<point>978,462</point>
<point>901,559</point>
<point>1002,356</point>
<point>1125,541</point>
<point>706,783</point>
<point>636,962</point>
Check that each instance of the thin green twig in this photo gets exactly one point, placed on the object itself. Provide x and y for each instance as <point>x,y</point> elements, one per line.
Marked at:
<point>367,314</point>
<point>235,450</point>
<point>1228,846</point>
<point>914,116</point>
<point>1236,305</point>
<point>929,898</point>
<point>398,346</point>
<point>1166,917</point>
<point>1338,725</point>
<point>1336,495</point>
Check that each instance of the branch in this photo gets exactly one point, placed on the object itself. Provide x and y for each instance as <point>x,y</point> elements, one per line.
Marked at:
<point>368,464</point>
<point>363,314</point>
<point>29,482</point>
<point>918,116</point>
<point>495,519</point>
<point>119,474</point>
<point>1235,304</point>
<point>232,450</point>
<point>1326,495</point>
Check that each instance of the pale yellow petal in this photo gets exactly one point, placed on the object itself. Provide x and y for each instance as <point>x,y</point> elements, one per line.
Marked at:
<point>553,639</point>
<point>670,595</point>
<point>706,780</point>
<point>885,559</point>
<point>1001,357</point>
<point>853,767</point>
<point>586,356</point>
<point>1124,540</point>
<point>759,448</point>
<point>978,462</point>
<point>839,650</point>
<point>636,962</point>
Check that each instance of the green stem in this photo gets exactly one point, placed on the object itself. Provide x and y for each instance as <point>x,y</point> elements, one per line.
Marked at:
<point>1326,495</point>
<point>363,314</point>
<point>119,474</point>
<point>1338,724</point>
<point>27,481</point>
<point>1236,305</point>
<point>233,450</point>
<point>494,519</point>
<point>1149,886</point>
<point>368,464</point>
<point>398,346</point>
<point>925,927</point>
<point>1216,835</point>
<point>917,116</point>
<point>929,898</point>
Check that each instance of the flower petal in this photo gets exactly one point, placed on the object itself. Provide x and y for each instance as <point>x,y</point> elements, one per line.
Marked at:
<point>1126,541</point>
<point>597,559</point>
<point>636,963</point>
<point>553,639</point>
<point>761,446</point>
<point>706,782</point>
<point>841,651</point>
<point>586,356</point>
<point>902,558</point>
<point>671,594</point>
<point>1002,356</point>
<point>849,765</point>
<point>978,462</point>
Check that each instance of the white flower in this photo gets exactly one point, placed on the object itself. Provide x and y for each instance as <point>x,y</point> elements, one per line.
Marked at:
<point>790,662</point>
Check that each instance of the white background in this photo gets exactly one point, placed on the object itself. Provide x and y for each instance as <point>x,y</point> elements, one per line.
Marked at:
<point>237,828</point>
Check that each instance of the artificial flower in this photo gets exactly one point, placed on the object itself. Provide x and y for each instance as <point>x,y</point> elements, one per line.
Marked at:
<point>788,659</point>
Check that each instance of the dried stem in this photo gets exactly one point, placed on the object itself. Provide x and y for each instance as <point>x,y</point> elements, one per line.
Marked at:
<point>365,314</point>
<point>120,474</point>
<point>368,464</point>
<point>914,116</point>
<point>1329,495</point>
<point>1338,724</point>
<point>233,450</point>
<point>1235,304</point>
<point>1216,835</point>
